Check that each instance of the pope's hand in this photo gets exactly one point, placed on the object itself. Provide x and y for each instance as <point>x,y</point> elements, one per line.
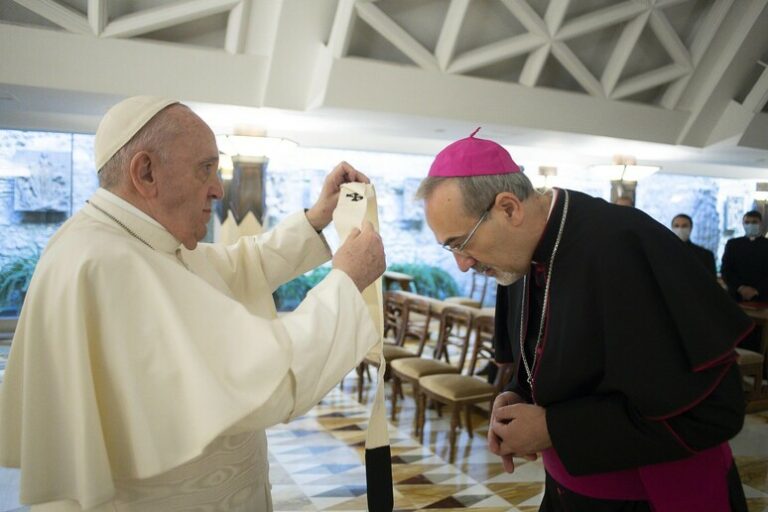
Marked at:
<point>361,256</point>
<point>321,213</point>
<point>521,430</point>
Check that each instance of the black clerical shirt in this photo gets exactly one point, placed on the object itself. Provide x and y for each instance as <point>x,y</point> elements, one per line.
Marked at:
<point>745,263</point>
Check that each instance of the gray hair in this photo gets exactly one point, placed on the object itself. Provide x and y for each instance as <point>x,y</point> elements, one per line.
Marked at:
<point>153,136</point>
<point>479,192</point>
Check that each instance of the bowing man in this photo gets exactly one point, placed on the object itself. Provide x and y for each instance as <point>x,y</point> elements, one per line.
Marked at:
<point>625,377</point>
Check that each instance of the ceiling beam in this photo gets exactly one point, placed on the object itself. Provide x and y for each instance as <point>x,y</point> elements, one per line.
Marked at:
<point>362,84</point>
<point>120,67</point>
<point>669,39</point>
<point>495,52</point>
<point>758,97</point>
<point>449,33</point>
<point>534,64</point>
<point>164,16</point>
<point>555,15</point>
<point>97,15</point>
<point>720,76</point>
<point>579,71</point>
<point>396,35</point>
<point>237,27</point>
<point>600,19</point>
<point>61,15</point>
<point>527,16</point>
<point>649,80</point>
<point>621,52</point>
<point>701,41</point>
<point>341,31</point>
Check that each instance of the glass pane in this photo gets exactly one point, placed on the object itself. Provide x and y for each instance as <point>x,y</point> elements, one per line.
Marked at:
<point>35,199</point>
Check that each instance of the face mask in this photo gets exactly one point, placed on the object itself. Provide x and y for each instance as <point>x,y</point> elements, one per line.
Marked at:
<point>683,233</point>
<point>752,230</point>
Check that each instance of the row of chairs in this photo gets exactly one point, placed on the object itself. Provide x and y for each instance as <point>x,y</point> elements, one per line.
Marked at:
<point>448,376</point>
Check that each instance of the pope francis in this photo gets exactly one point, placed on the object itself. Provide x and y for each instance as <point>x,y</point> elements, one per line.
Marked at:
<point>145,365</point>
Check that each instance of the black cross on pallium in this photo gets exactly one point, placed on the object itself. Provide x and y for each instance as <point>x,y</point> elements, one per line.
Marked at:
<point>355,196</point>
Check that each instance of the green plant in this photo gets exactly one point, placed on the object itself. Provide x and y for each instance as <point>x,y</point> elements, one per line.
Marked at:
<point>428,280</point>
<point>15,277</point>
<point>290,294</point>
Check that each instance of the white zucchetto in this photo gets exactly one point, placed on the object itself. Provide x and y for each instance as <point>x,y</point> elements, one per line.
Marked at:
<point>122,122</point>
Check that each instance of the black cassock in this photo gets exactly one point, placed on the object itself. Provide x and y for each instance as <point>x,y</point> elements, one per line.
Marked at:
<point>705,256</point>
<point>745,262</point>
<point>636,363</point>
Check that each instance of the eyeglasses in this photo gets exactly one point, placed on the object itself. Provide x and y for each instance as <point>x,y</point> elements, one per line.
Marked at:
<point>459,249</point>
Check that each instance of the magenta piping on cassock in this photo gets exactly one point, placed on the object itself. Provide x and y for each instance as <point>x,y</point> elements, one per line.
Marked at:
<point>724,357</point>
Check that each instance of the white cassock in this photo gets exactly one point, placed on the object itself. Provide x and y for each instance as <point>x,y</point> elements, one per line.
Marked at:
<point>141,379</point>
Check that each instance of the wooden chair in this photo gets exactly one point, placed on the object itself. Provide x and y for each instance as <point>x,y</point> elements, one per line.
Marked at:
<point>464,391</point>
<point>402,316</point>
<point>476,292</point>
<point>454,331</point>
<point>394,315</point>
<point>751,366</point>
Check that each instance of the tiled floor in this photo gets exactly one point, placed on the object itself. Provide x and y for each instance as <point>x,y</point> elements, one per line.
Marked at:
<point>423,479</point>
<point>316,464</point>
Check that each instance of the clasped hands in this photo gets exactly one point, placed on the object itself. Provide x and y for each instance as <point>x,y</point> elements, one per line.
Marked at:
<point>517,429</point>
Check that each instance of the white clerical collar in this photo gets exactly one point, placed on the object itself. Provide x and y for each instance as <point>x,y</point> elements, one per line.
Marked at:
<point>108,206</point>
<point>552,204</point>
<point>125,205</point>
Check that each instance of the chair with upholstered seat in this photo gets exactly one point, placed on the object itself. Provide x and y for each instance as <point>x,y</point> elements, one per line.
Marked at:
<point>408,319</point>
<point>395,318</point>
<point>751,366</point>
<point>454,333</point>
<point>464,391</point>
<point>477,292</point>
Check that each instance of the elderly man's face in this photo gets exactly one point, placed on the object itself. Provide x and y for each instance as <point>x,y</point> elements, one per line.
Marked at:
<point>188,180</point>
<point>491,249</point>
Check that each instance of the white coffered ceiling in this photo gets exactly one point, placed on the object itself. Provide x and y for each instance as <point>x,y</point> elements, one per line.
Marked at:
<point>685,80</point>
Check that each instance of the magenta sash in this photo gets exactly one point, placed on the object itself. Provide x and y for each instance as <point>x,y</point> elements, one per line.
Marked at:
<point>699,482</point>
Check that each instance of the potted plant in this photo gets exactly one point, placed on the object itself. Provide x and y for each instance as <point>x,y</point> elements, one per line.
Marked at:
<point>14,282</point>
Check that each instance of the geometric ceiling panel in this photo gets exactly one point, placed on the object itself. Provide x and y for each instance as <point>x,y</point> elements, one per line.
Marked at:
<point>486,22</point>
<point>578,8</point>
<point>555,76</point>
<point>367,42</point>
<point>209,23</point>
<point>80,6</point>
<point>14,13</point>
<point>207,32</point>
<point>686,18</point>
<point>627,50</point>
<point>125,8</point>
<point>506,71</point>
<point>590,47</point>
<point>647,54</point>
<point>422,20</point>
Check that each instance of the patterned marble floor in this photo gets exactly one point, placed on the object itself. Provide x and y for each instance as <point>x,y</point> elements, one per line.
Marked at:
<point>316,463</point>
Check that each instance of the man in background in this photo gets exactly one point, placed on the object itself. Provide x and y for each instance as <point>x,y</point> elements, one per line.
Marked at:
<point>682,225</point>
<point>745,262</point>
